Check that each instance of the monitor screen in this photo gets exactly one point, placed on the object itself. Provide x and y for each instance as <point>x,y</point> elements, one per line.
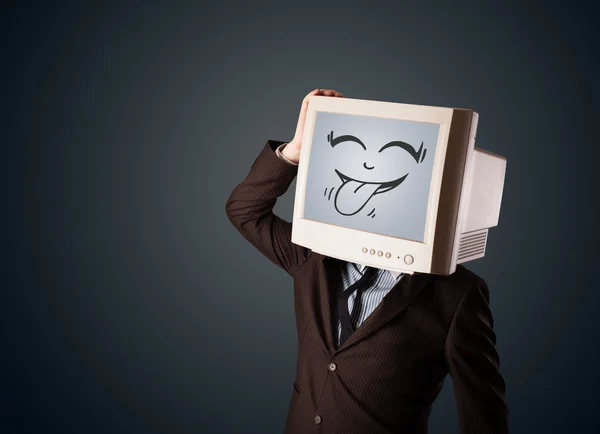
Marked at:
<point>370,173</point>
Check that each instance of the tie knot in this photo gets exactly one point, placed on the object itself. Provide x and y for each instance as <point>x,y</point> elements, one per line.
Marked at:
<point>366,279</point>
<point>369,272</point>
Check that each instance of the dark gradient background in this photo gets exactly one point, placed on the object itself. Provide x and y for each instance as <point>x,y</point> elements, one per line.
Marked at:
<point>129,302</point>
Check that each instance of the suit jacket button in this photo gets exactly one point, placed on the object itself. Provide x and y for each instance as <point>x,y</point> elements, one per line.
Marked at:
<point>318,419</point>
<point>332,366</point>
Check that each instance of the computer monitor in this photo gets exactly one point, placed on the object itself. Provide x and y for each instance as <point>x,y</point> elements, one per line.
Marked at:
<point>395,186</point>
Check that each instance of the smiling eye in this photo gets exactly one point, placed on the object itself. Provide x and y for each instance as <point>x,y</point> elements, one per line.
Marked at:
<point>408,148</point>
<point>347,138</point>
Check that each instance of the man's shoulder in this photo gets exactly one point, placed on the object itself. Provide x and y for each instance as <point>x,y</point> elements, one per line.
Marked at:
<point>447,292</point>
<point>463,276</point>
<point>459,282</point>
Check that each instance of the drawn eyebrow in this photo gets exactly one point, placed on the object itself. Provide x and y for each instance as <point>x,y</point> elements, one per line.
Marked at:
<point>346,138</point>
<point>408,148</point>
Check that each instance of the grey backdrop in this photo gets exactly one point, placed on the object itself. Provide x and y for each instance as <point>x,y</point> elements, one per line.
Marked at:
<point>129,302</point>
<point>399,212</point>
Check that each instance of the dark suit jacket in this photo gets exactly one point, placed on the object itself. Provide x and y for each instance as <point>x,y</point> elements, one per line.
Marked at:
<point>386,376</point>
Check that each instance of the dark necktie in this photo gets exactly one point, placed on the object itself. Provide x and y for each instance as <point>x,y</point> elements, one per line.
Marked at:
<point>347,319</point>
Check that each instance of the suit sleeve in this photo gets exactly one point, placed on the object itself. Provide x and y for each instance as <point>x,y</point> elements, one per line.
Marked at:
<point>250,209</point>
<point>473,363</point>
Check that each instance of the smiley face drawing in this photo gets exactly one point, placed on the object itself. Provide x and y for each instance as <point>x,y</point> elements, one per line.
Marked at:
<point>360,186</point>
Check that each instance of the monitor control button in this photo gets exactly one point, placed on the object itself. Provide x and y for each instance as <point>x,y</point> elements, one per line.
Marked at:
<point>388,255</point>
<point>380,253</point>
<point>408,259</point>
<point>372,252</point>
<point>365,250</point>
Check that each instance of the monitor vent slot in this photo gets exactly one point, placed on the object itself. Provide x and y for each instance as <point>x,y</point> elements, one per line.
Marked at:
<point>472,245</point>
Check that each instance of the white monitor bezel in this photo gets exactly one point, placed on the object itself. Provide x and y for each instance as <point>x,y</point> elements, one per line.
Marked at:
<point>347,243</point>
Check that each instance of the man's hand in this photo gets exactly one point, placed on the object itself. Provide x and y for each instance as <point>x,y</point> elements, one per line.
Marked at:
<point>291,151</point>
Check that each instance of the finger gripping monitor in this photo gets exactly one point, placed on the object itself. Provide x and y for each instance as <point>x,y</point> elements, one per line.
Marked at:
<point>395,186</point>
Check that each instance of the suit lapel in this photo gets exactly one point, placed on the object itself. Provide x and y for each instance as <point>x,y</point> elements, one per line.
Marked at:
<point>333,284</point>
<point>395,301</point>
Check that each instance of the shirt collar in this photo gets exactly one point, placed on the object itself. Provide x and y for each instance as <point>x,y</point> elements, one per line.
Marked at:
<point>361,267</point>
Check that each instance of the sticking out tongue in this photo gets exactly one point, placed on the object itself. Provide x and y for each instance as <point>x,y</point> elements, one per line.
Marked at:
<point>352,196</point>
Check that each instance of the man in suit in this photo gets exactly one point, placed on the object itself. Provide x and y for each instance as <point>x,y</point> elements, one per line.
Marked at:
<point>374,346</point>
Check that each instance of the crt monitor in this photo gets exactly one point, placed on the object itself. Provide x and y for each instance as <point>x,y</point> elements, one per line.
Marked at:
<point>395,186</point>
